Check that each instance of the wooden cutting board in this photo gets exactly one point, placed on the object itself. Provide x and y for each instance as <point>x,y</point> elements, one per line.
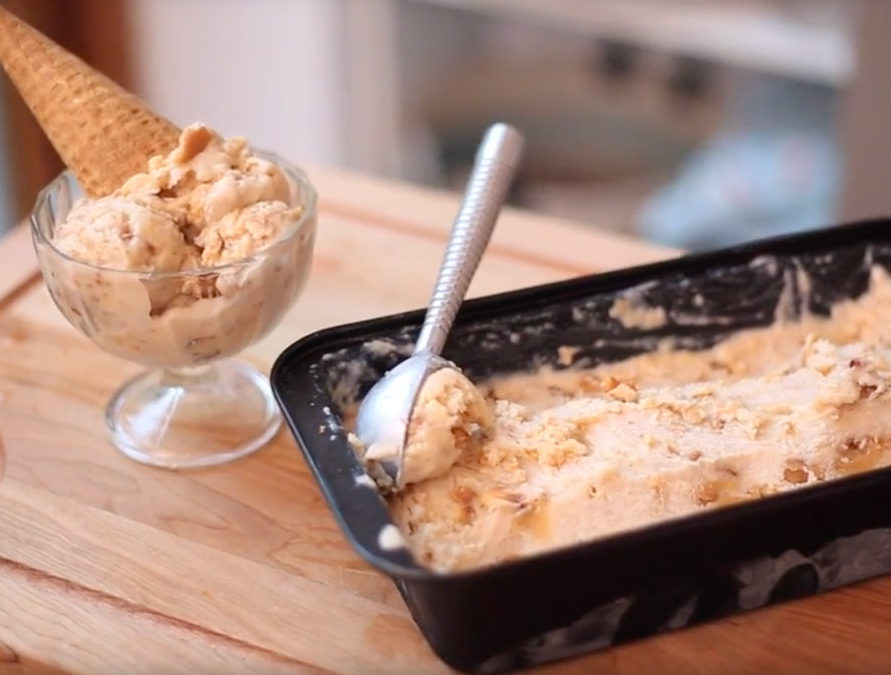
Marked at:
<point>108,566</point>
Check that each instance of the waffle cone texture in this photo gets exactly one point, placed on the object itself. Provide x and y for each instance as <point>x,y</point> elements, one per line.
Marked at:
<point>102,132</point>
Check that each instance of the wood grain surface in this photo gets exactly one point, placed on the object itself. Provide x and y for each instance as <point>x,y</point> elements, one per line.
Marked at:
<point>107,566</point>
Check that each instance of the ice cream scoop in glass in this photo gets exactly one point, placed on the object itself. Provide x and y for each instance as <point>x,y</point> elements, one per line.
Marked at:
<point>194,407</point>
<point>384,414</point>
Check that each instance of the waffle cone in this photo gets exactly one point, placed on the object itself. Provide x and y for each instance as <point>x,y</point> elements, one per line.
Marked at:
<point>102,132</point>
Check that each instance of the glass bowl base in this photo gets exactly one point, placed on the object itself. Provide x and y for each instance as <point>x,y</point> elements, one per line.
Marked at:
<point>193,417</point>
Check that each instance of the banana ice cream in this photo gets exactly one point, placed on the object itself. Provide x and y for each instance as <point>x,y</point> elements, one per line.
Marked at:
<point>571,456</point>
<point>450,413</point>
<point>188,261</point>
<point>209,202</point>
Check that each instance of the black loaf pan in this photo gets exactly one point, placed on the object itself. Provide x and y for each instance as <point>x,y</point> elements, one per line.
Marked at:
<point>627,586</point>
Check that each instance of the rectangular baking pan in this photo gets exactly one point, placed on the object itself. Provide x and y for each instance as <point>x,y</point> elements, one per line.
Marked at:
<point>634,584</point>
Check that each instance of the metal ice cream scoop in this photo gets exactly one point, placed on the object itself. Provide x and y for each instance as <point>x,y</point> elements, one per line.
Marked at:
<point>382,421</point>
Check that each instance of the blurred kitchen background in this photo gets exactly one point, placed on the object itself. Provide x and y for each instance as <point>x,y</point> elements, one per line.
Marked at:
<point>696,123</point>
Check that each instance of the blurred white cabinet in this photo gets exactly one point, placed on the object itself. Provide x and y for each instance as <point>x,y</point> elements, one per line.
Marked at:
<point>271,70</point>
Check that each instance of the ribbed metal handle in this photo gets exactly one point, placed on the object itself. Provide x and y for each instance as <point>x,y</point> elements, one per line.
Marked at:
<point>496,162</point>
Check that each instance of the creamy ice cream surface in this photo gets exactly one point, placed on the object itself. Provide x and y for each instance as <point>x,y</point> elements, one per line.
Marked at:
<point>449,419</point>
<point>209,202</point>
<point>125,234</point>
<point>208,230</point>
<point>579,454</point>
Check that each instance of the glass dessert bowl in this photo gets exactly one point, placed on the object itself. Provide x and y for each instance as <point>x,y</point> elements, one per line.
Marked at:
<point>194,406</point>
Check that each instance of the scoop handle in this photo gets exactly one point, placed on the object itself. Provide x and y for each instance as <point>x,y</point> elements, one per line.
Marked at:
<point>493,170</point>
